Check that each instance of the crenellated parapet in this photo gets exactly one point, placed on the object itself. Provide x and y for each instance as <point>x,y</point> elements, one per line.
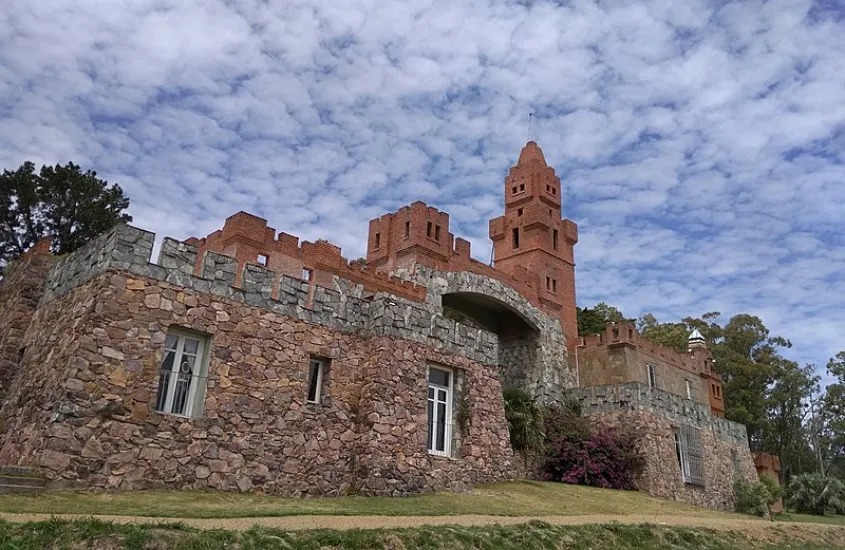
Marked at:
<point>249,240</point>
<point>343,305</point>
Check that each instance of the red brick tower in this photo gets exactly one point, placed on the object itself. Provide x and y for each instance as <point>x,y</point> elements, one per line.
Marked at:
<point>532,235</point>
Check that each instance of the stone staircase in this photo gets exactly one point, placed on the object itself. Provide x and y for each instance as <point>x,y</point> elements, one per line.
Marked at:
<point>19,479</point>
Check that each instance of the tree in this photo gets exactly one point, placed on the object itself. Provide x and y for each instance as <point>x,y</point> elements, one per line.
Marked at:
<point>62,202</point>
<point>594,321</point>
<point>525,421</point>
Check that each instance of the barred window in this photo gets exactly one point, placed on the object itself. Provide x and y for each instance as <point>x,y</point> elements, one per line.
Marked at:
<point>690,456</point>
<point>183,373</point>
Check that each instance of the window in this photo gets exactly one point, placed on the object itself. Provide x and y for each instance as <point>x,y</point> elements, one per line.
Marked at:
<point>378,240</point>
<point>514,190</point>
<point>554,239</point>
<point>439,411</point>
<point>689,389</point>
<point>554,285</point>
<point>436,232</point>
<point>548,188</point>
<point>516,238</point>
<point>428,230</point>
<point>689,453</point>
<point>522,187</point>
<point>316,373</point>
<point>183,374</point>
<point>519,212</point>
<point>306,274</point>
<point>652,376</point>
<point>554,191</point>
<point>407,229</point>
<point>262,259</point>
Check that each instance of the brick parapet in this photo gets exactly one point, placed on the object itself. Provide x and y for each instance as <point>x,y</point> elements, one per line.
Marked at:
<point>346,306</point>
<point>245,237</point>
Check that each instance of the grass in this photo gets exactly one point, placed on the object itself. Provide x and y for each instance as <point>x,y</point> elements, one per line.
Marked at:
<point>806,518</point>
<point>525,498</point>
<point>58,534</point>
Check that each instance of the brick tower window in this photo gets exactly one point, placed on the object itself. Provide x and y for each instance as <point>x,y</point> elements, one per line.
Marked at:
<point>516,237</point>
<point>428,230</point>
<point>262,259</point>
<point>407,229</point>
<point>378,240</point>
<point>554,238</point>
<point>436,232</point>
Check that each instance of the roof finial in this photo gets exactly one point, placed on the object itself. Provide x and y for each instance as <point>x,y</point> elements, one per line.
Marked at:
<point>530,120</point>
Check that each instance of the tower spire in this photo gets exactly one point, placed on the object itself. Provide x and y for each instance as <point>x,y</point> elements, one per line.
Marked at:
<point>530,120</point>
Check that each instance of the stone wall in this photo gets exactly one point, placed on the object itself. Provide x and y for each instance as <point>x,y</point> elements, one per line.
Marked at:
<point>653,414</point>
<point>20,290</point>
<point>83,411</point>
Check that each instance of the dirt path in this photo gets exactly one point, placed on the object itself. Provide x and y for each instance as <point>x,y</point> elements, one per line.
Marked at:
<point>750,526</point>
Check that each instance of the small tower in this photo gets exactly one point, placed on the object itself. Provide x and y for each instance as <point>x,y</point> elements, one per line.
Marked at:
<point>531,235</point>
<point>696,340</point>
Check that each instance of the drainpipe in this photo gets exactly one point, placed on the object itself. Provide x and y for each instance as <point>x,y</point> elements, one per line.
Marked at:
<point>577,366</point>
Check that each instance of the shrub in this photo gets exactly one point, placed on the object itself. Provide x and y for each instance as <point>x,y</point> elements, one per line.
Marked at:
<point>755,498</point>
<point>525,421</point>
<point>576,454</point>
<point>816,494</point>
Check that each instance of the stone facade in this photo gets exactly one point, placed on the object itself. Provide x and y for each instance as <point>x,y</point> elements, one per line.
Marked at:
<point>314,375</point>
<point>655,415</point>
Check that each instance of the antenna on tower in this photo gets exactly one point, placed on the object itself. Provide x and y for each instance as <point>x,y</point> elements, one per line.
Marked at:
<point>530,120</point>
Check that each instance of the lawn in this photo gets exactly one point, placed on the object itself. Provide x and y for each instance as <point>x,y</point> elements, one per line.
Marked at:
<point>523,498</point>
<point>58,534</point>
<point>806,518</point>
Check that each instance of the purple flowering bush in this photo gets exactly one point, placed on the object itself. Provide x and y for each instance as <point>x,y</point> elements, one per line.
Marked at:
<point>577,454</point>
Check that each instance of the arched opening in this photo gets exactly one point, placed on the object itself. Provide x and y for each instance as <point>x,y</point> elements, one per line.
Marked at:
<point>519,337</point>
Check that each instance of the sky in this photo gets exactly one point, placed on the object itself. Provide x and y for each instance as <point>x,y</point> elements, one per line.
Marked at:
<point>699,144</point>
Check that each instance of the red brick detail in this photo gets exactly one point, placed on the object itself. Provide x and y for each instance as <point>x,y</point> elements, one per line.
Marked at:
<point>542,269</point>
<point>245,237</point>
<point>767,464</point>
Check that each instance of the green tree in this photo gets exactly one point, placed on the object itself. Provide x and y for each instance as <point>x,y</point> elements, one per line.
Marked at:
<point>62,202</point>
<point>594,320</point>
<point>525,421</point>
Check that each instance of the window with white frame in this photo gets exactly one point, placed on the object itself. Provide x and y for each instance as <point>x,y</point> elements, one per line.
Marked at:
<point>689,389</point>
<point>316,375</point>
<point>262,259</point>
<point>440,384</point>
<point>652,375</point>
<point>690,455</point>
<point>183,374</point>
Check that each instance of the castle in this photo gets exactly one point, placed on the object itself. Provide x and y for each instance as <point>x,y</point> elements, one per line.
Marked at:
<point>247,360</point>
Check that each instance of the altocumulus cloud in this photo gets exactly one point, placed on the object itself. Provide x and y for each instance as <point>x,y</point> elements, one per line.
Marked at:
<point>700,143</point>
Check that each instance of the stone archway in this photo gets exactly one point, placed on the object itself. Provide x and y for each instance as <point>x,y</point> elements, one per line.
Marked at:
<point>531,347</point>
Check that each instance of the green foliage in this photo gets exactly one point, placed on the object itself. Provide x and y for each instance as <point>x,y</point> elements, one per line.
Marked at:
<point>63,202</point>
<point>525,421</point>
<point>816,494</point>
<point>594,321</point>
<point>757,498</point>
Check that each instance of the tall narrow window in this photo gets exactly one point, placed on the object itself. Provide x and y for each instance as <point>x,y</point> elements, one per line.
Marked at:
<point>514,190</point>
<point>519,212</point>
<point>439,411</point>
<point>378,240</point>
<point>183,374</point>
<point>689,389</point>
<point>428,230</point>
<point>436,232</point>
<point>554,285</point>
<point>548,283</point>
<point>407,229</point>
<point>522,187</point>
<point>516,237</point>
<point>262,259</point>
<point>306,274</point>
<point>554,239</point>
<point>316,373</point>
<point>652,376</point>
<point>688,449</point>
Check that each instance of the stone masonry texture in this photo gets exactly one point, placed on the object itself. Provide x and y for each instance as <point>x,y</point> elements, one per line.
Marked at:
<point>82,339</point>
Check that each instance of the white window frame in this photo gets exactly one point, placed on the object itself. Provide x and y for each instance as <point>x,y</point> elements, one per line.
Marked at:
<point>195,400</point>
<point>434,392</point>
<point>318,390</point>
<point>688,447</point>
<point>689,388</point>
<point>263,259</point>
<point>651,374</point>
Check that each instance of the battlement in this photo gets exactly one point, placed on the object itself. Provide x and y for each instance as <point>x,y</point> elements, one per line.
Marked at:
<point>626,334</point>
<point>249,240</point>
<point>344,305</point>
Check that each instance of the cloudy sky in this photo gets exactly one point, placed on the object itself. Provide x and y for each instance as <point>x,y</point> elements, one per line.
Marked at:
<point>700,143</point>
